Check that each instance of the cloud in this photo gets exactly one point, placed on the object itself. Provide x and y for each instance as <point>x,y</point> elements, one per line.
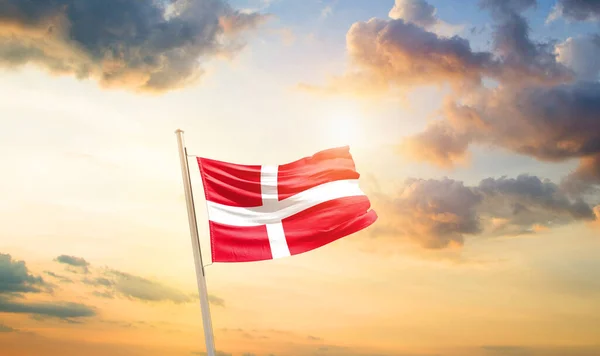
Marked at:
<point>440,144</point>
<point>586,177</point>
<point>552,124</point>
<point>143,46</point>
<point>523,60</point>
<point>59,277</point>
<point>580,54</point>
<point>99,281</point>
<point>395,53</point>
<point>528,204</point>
<point>220,302</point>
<point>15,277</point>
<point>238,22</point>
<point>275,335</point>
<point>73,261</point>
<point>218,353</point>
<point>143,289</point>
<point>511,33</point>
<point>433,213</point>
<point>6,329</point>
<point>507,350</point>
<point>576,10</point>
<point>507,6</point>
<point>409,51</point>
<point>110,283</point>
<point>437,214</point>
<point>326,11</point>
<point>418,12</point>
<point>114,282</point>
<point>423,14</point>
<point>553,118</point>
<point>330,350</point>
<point>104,294</point>
<point>59,310</point>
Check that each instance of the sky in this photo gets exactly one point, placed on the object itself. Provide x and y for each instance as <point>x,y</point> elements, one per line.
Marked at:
<point>475,125</point>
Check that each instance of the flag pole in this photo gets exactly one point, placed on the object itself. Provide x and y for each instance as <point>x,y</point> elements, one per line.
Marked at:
<point>200,276</point>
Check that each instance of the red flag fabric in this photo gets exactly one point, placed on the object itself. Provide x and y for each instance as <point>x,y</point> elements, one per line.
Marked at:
<point>263,212</point>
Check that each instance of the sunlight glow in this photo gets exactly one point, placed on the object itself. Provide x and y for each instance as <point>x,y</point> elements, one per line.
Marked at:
<point>343,126</point>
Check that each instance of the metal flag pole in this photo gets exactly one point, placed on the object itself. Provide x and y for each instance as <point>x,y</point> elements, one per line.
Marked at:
<point>200,276</point>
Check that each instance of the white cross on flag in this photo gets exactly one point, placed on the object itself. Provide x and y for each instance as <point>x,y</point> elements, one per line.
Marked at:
<point>261,212</point>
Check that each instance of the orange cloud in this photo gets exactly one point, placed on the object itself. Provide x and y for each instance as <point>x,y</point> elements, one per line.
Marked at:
<point>144,46</point>
<point>438,214</point>
<point>401,53</point>
<point>394,53</point>
<point>549,123</point>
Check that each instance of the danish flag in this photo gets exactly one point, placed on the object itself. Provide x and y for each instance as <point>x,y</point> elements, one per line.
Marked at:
<point>264,212</point>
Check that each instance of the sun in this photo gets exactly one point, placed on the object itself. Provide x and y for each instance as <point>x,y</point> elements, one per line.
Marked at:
<point>343,127</point>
